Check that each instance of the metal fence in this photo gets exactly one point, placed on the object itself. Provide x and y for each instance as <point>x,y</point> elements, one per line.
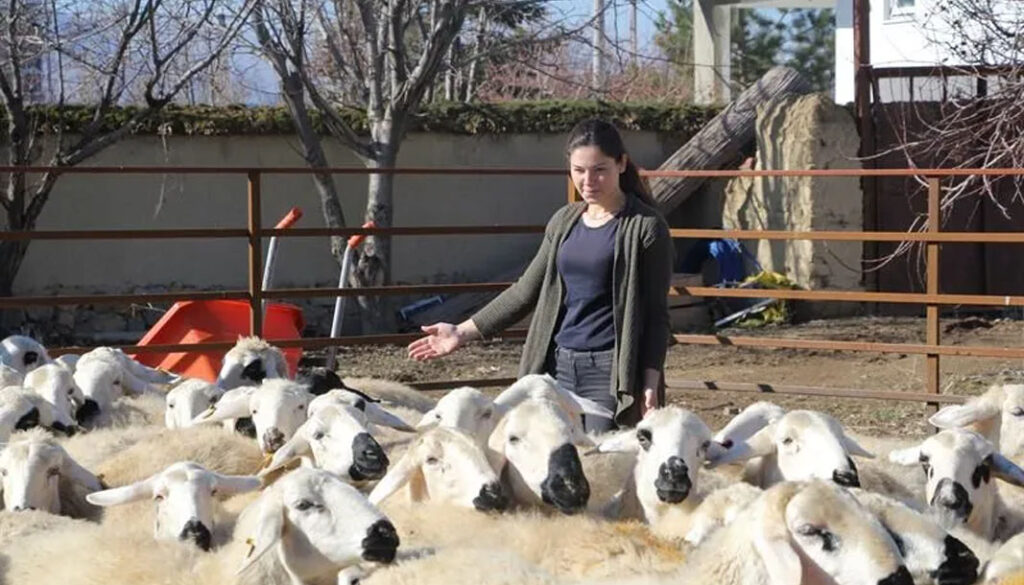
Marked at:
<point>932,298</point>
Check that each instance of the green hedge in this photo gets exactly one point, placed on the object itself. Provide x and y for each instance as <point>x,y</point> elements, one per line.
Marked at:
<point>542,117</point>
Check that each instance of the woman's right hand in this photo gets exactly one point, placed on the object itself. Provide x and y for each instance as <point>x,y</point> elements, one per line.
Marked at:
<point>441,340</point>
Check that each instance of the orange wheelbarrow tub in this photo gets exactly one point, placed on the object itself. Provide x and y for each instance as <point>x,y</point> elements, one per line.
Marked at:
<point>213,321</point>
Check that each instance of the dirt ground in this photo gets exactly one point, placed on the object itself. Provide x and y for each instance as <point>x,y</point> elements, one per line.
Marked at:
<point>857,370</point>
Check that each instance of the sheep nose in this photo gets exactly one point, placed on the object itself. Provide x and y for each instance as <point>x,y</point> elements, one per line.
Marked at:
<point>197,532</point>
<point>88,411</point>
<point>63,428</point>
<point>380,543</point>
<point>960,566</point>
<point>900,577</point>
<point>245,426</point>
<point>846,478</point>
<point>673,484</point>
<point>368,460</point>
<point>273,440</point>
<point>492,497</point>
<point>565,487</point>
<point>953,497</point>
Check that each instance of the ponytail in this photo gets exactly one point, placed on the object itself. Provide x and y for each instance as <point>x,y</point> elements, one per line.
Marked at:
<point>630,181</point>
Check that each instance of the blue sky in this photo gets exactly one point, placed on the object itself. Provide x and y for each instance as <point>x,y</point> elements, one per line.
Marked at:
<point>647,11</point>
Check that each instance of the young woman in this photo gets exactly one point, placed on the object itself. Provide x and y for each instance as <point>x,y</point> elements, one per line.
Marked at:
<point>597,288</point>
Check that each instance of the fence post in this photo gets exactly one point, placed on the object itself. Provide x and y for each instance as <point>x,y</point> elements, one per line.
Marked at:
<point>932,288</point>
<point>255,249</point>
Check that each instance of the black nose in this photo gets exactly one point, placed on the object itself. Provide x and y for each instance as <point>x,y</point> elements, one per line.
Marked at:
<point>245,426</point>
<point>63,428</point>
<point>29,421</point>
<point>673,484</point>
<point>380,543</point>
<point>565,487</point>
<point>89,410</point>
<point>900,577</point>
<point>847,477</point>
<point>953,497</point>
<point>492,497</point>
<point>197,533</point>
<point>368,460</point>
<point>960,566</point>
<point>273,440</point>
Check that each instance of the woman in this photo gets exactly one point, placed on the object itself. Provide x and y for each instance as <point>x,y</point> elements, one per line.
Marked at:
<point>597,288</point>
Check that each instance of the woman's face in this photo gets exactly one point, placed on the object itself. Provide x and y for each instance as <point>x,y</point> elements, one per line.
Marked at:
<point>595,174</point>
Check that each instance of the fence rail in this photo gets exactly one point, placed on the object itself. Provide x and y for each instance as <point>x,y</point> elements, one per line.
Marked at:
<point>254,233</point>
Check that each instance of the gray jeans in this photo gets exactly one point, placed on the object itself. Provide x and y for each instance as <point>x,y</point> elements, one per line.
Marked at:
<point>588,374</point>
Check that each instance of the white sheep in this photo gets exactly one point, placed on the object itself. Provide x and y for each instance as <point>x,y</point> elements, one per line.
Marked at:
<point>448,466</point>
<point>463,408</point>
<point>337,440</point>
<point>1006,562</point>
<point>800,533</point>
<point>997,415</point>
<point>22,353</point>
<point>375,413</point>
<point>249,362</point>
<point>533,447</point>
<point>803,445</point>
<point>55,384</point>
<point>960,467</point>
<point>38,474</point>
<point>106,374</point>
<point>187,400</point>
<point>277,408</point>
<point>10,377</point>
<point>21,410</point>
<point>184,493</point>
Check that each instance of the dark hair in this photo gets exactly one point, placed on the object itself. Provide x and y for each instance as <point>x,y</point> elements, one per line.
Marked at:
<point>597,132</point>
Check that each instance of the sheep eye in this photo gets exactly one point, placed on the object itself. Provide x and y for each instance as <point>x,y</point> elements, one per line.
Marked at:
<point>254,411</point>
<point>159,497</point>
<point>704,447</point>
<point>829,542</point>
<point>213,492</point>
<point>431,460</point>
<point>301,406</point>
<point>787,441</point>
<point>1018,411</point>
<point>486,415</point>
<point>3,473</point>
<point>71,391</point>
<point>644,437</point>
<point>514,440</point>
<point>304,505</point>
<point>52,472</point>
<point>437,415</point>
<point>318,435</point>
<point>170,405</point>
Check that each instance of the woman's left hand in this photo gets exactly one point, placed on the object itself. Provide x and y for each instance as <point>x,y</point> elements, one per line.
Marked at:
<point>650,400</point>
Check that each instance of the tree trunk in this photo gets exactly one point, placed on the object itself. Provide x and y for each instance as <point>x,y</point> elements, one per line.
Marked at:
<point>373,267</point>
<point>722,139</point>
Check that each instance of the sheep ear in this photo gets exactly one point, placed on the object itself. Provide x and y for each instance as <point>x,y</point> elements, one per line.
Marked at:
<point>759,445</point>
<point>622,442</point>
<point>377,415</point>
<point>296,447</point>
<point>753,418</point>
<point>79,474</point>
<point>396,477</point>
<point>908,456</point>
<point>961,415</point>
<point>585,405</point>
<point>140,490</point>
<point>230,485</point>
<point>268,531</point>
<point>853,448</point>
<point>1007,470</point>
<point>233,404</point>
<point>772,541</point>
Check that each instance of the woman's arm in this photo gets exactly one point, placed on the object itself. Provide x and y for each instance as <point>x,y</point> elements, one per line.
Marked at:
<point>656,266</point>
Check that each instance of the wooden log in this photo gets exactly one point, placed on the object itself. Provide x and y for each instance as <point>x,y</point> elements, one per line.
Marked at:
<point>723,137</point>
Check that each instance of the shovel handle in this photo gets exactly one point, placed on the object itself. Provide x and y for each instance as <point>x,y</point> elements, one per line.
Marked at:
<point>357,239</point>
<point>289,220</point>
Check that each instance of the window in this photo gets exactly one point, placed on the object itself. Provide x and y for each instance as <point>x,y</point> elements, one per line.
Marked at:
<point>899,9</point>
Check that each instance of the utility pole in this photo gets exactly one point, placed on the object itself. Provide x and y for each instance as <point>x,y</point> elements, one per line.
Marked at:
<point>633,47</point>
<point>597,65</point>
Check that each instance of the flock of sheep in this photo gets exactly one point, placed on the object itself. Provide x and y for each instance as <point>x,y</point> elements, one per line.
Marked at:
<point>112,472</point>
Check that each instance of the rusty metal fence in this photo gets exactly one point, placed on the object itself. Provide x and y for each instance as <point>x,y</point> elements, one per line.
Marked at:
<point>932,298</point>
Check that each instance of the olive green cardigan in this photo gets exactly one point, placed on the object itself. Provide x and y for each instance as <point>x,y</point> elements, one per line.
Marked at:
<point>641,274</point>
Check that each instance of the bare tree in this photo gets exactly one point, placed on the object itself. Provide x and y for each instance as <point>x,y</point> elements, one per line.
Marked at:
<point>114,53</point>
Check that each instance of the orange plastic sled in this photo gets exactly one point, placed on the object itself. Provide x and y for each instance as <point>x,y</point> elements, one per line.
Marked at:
<point>210,321</point>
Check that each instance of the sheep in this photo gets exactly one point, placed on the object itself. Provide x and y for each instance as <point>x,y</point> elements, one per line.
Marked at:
<point>448,466</point>
<point>305,528</point>
<point>10,377</point>
<point>802,445</point>
<point>187,400</point>
<point>277,408</point>
<point>670,445</point>
<point>20,410</point>
<point>1006,562</point>
<point>184,494</point>
<point>997,415</point>
<point>337,439</point>
<point>22,353</point>
<point>375,413</point>
<point>959,466</point>
<point>249,362</point>
<point>534,448</point>
<point>796,532</point>
<point>68,360</point>
<point>105,374</point>
<point>464,408</point>
<point>55,384</point>
<point>38,474</point>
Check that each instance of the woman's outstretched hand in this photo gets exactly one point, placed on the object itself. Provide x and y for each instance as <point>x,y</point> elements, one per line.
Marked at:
<point>441,340</point>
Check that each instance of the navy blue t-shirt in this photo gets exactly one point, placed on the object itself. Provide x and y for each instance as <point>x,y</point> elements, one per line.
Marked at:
<point>585,262</point>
